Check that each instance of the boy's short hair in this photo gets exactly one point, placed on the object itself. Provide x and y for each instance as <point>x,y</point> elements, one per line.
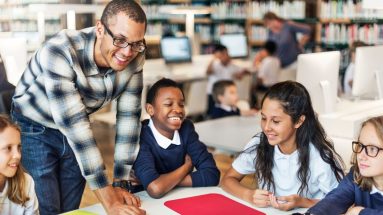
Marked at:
<point>356,44</point>
<point>162,83</point>
<point>219,48</point>
<point>219,88</point>
<point>270,47</point>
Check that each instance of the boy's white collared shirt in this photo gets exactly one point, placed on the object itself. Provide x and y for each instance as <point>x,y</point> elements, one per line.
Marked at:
<point>375,190</point>
<point>163,141</point>
<point>227,108</point>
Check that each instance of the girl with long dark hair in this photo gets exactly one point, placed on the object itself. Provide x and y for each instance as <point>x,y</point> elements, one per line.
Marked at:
<point>294,162</point>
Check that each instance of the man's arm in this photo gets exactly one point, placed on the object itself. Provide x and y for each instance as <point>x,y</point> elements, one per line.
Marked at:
<point>69,114</point>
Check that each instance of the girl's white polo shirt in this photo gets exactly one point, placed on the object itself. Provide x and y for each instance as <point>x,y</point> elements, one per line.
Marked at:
<point>322,178</point>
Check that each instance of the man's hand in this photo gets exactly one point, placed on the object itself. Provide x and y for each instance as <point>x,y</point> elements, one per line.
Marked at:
<point>120,209</point>
<point>114,204</point>
<point>127,197</point>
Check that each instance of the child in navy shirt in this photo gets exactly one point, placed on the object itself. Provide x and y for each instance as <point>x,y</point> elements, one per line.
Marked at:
<point>226,97</point>
<point>169,146</point>
<point>362,188</point>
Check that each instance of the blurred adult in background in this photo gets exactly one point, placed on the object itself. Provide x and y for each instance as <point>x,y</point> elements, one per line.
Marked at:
<point>284,34</point>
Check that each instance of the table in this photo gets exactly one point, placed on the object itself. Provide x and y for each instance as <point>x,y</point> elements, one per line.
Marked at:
<point>229,133</point>
<point>157,207</point>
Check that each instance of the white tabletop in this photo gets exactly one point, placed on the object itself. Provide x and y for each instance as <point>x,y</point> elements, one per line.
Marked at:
<point>228,133</point>
<point>157,207</point>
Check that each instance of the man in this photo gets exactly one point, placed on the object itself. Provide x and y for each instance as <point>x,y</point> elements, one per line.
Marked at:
<point>73,75</point>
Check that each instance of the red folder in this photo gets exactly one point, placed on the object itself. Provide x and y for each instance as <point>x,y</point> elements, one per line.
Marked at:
<point>210,204</point>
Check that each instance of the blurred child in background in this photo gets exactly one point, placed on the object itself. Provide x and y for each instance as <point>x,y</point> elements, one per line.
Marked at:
<point>226,98</point>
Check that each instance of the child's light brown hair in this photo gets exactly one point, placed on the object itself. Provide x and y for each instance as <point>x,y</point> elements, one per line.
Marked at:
<point>219,88</point>
<point>365,183</point>
<point>16,185</point>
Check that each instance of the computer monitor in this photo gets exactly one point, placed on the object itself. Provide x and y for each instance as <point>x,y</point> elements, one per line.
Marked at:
<point>13,51</point>
<point>176,49</point>
<point>319,73</point>
<point>368,72</point>
<point>236,44</point>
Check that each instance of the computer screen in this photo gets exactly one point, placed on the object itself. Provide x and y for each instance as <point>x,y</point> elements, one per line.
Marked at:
<point>236,44</point>
<point>176,49</point>
<point>368,72</point>
<point>319,73</point>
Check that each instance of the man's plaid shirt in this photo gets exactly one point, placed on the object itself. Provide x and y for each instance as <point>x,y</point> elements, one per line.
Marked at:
<point>62,85</point>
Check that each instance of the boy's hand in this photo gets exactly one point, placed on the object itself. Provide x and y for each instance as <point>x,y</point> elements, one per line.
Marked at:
<point>354,211</point>
<point>188,162</point>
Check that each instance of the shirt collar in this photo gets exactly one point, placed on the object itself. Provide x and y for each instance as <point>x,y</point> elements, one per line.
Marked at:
<point>163,141</point>
<point>227,107</point>
<point>375,190</point>
<point>279,155</point>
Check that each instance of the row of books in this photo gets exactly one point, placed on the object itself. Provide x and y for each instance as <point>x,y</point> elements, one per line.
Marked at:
<point>256,9</point>
<point>159,28</point>
<point>227,29</point>
<point>28,1</point>
<point>232,10</point>
<point>346,34</point>
<point>347,9</point>
<point>257,33</point>
<point>285,9</point>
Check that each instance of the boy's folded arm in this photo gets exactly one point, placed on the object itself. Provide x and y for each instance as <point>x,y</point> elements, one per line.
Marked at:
<point>207,173</point>
<point>163,184</point>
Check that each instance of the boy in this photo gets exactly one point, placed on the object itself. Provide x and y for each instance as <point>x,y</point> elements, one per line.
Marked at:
<point>169,146</point>
<point>226,97</point>
<point>268,67</point>
<point>221,68</point>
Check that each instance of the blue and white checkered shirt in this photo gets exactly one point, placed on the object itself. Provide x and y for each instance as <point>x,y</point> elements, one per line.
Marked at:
<point>62,85</point>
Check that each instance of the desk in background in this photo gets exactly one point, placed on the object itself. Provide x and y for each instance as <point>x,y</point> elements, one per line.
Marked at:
<point>157,207</point>
<point>229,133</point>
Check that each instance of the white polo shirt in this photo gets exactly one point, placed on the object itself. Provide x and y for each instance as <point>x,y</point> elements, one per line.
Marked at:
<point>322,179</point>
<point>221,72</point>
<point>269,70</point>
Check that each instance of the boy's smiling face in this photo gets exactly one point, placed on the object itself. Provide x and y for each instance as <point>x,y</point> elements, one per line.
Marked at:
<point>167,110</point>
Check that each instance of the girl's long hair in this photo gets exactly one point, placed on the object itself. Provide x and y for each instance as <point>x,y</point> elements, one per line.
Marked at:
<point>296,102</point>
<point>17,184</point>
<point>365,183</point>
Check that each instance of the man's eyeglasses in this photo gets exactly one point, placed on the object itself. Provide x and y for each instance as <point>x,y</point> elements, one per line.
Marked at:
<point>371,151</point>
<point>139,46</point>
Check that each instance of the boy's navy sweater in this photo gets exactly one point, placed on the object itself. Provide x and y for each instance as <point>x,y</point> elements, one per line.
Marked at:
<point>153,160</point>
<point>218,112</point>
<point>345,195</point>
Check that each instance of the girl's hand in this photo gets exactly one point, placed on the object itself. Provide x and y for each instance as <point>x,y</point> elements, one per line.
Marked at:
<point>285,203</point>
<point>261,198</point>
<point>354,211</point>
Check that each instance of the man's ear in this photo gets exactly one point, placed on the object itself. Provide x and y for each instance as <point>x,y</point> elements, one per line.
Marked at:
<point>149,109</point>
<point>99,29</point>
<point>300,121</point>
